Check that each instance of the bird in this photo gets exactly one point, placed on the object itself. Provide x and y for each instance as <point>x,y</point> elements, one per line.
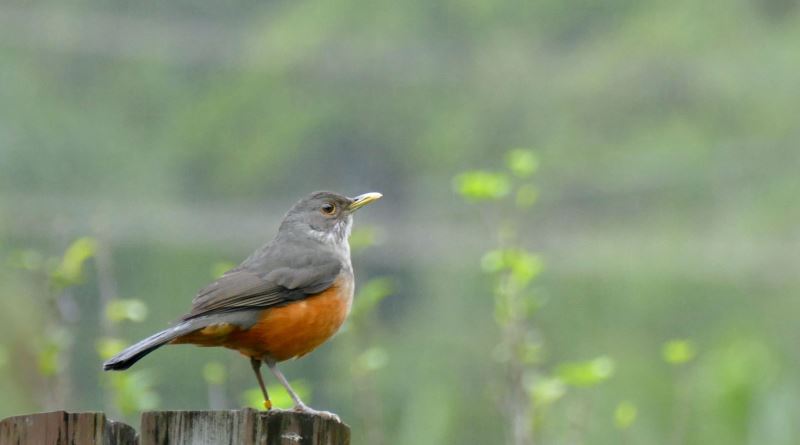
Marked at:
<point>283,301</point>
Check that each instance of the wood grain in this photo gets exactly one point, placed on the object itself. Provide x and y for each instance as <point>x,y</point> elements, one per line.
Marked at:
<point>245,427</point>
<point>63,428</point>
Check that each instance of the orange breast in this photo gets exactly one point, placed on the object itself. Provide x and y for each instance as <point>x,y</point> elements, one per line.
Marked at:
<point>284,332</point>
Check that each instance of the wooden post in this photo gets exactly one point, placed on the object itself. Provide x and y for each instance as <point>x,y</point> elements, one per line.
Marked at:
<point>245,427</point>
<point>63,428</point>
<point>241,427</point>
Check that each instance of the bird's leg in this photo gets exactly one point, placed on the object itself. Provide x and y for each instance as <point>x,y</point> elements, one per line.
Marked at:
<point>273,366</point>
<point>256,364</point>
<point>298,404</point>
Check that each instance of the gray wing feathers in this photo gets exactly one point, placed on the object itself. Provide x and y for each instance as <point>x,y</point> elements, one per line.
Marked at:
<point>133,353</point>
<point>245,288</point>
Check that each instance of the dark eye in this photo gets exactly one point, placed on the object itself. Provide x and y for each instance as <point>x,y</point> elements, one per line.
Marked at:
<point>328,208</point>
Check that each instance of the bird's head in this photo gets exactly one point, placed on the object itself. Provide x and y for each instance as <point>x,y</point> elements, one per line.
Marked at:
<point>326,216</point>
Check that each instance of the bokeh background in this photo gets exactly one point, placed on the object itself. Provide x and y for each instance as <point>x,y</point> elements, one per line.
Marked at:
<point>145,146</point>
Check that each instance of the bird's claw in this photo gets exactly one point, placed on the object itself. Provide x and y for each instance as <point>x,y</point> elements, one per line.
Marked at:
<point>324,414</point>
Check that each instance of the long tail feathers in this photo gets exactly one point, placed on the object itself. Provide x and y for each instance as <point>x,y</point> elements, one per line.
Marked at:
<point>134,353</point>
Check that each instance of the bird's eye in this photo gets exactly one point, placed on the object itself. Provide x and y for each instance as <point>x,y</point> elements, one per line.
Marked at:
<point>328,208</point>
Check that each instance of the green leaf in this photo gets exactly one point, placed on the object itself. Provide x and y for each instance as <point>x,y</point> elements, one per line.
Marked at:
<point>126,309</point>
<point>678,352</point>
<point>523,265</point>
<point>48,360</point>
<point>49,356</point>
<point>214,373</point>
<point>482,185</point>
<point>493,261</point>
<point>625,414</point>
<point>523,163</point>
<point>108,347</point>
<point>277,395</point>
<point>70,269</point>
<point>547,390</point>
<point>589,373</point>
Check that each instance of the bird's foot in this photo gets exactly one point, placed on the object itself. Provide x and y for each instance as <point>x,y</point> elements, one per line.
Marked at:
<point>267,404</point>
<point>324,414</point>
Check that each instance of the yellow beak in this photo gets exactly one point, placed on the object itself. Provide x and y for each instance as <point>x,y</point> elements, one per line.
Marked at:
<point>362,200</point>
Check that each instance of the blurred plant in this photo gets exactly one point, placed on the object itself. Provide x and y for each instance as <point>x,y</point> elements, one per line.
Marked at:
<point>128,392</point>
<point>588,373</point>
<point>132,391</point>
<point>277,394</point>
<point>679,353</point>
<point>624,416</point>
<point>513,270</point>
<point>584,375</point>
<point>58,275</point>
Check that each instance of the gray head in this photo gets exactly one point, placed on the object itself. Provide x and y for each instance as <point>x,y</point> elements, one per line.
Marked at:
<point>326,216</point>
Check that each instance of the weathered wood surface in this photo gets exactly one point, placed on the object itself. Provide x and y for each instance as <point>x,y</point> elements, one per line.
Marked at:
<point>63,428</point>
<point>244,427</point>
<point>238,427</point>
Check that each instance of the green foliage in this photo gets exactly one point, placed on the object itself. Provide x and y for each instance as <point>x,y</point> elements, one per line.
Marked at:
<point>108,347</point>
<point>522,265</point>
<point>126,309</point>
<point>132,391</point>
<point>588,373</point>
<point>513,270</point>
<point>548,390</point>
<point>482,185</point>
<point>277,395</point>
<point>678,352</point>
<point>625,415</point>
<point>69,271</point>
<point>49,358</point>
<point>523,163</point>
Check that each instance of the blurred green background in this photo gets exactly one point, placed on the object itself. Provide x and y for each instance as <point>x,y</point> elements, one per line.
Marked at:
<point>144,146</point>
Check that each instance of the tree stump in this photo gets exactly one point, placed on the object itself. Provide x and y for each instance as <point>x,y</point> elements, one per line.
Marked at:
<point>245,427</point>
<point>63,428</point>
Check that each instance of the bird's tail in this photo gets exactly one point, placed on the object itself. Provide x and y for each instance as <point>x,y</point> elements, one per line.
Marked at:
<point>133,353</point>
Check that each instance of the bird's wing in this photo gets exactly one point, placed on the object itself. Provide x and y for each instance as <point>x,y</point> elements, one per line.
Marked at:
<point>244,289</point>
